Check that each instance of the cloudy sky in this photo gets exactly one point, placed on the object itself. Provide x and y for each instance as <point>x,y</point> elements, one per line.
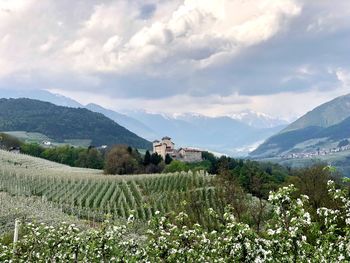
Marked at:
<point>215,57</point>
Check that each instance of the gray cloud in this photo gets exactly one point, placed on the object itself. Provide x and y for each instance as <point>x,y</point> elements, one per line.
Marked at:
<point>154,50</point>
<point>147,11</point>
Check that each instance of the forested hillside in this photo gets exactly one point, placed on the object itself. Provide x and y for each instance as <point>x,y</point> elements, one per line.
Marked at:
<point>320,129</point>
<point>325,115</point>
<point>63,123</point>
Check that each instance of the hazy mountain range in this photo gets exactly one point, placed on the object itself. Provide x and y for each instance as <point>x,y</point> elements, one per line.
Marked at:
<point>234,135</point>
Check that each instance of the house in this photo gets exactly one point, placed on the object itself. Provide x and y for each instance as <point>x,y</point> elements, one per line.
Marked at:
<point>190,155</point>
<point>47,143</point>
<point>166,146</point>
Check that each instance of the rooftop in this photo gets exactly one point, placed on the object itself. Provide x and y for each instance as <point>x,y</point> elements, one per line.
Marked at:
<point>189,150</point>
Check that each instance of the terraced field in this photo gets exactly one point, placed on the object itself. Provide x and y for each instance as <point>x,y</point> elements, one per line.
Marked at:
<point>90,194</point>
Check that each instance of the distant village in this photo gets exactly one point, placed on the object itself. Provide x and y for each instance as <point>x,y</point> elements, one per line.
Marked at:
<point>319,152</point>
<point>167,147</point>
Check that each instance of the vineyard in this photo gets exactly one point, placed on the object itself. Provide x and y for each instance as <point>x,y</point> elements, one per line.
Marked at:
<point>89,194</point>
<point>31,209</point>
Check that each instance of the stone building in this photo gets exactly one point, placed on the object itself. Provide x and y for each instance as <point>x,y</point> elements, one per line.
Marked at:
<point>189,155</point>
<point>166,146</point>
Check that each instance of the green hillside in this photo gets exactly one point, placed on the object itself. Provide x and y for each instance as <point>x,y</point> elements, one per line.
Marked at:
<point>322,128</point>
<point>325,115</point>
<point>64,123</point>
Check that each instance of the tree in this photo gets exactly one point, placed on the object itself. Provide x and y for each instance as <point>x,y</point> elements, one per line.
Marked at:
<point>7,141</point>
<point>147,158</point>
<point>168,159</point>
<point>176,166</point>
<point>90,158</point>
<point>151,168</point>
<point>120,160</point>
<point>207,156</point>
<point>312,181</point>
<point>32,149</point>
<point>231,193</point>
<point>156,158</point>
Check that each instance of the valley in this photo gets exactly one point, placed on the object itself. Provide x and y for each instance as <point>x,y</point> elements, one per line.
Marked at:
<point>177,131</point>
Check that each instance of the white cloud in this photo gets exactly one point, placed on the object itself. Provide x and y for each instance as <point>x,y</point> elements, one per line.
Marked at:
<point>344,77</point>
<point>112,44</point>
<point>206,28</point>
<point>48,44</point>
<point>196,55</point>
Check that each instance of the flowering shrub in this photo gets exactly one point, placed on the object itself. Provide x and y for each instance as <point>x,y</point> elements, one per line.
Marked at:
<point>291,236</point>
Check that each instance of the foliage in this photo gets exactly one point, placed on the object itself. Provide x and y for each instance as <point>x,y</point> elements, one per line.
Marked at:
<point>254,177</point>
<point>76,157</point>
<point>147,158</point>
<point>292,236</point>
<point>7,142</point>
<point>122,160</point>
<point>156,159</point>
<point>312,181</point>
<point>208,156</point>
<point>90,158</point>
<point>176,166</point>
<point>168,159</point>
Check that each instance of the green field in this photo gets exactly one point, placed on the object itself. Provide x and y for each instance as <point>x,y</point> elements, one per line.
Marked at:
<point>39,138</point>
<point>89,194</point>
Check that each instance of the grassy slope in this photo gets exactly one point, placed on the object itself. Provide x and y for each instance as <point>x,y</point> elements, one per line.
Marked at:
<point>325,115</point>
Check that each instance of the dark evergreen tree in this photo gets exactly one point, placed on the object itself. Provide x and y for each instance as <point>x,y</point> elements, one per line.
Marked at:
<point>156,158</point>
<point>147,158</point>
<point>168,159</point>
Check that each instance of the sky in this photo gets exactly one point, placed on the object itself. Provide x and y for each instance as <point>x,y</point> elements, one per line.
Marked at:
<point>213,57</point>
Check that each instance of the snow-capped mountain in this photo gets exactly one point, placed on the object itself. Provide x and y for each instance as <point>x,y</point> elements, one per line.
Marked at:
<point>234,135</point>
<point>258,119</point>
<point>220,134</point>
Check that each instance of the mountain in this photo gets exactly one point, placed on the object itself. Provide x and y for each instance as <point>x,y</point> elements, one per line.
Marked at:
<point>322,128</point>
<point>258,119</point>
<point>232,135</point>
<point>63,123</point>
<point>42,95</point>
<point>125,121</point>
<point>325,115</point>
<point>219,134</point>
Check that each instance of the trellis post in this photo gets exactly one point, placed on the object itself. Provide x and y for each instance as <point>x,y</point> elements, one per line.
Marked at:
<point>15,234</point>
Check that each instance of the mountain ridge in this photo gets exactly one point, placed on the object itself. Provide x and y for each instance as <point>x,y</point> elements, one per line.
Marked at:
<point>321,128</point>
<point>64,123</point>
<point>325,115</point>
<point>236,137</point>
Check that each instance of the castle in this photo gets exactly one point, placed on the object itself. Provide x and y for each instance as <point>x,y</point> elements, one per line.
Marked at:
<point>166,146</point>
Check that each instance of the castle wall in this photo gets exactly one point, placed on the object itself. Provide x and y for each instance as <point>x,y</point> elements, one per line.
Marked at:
<point>166,146</point>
